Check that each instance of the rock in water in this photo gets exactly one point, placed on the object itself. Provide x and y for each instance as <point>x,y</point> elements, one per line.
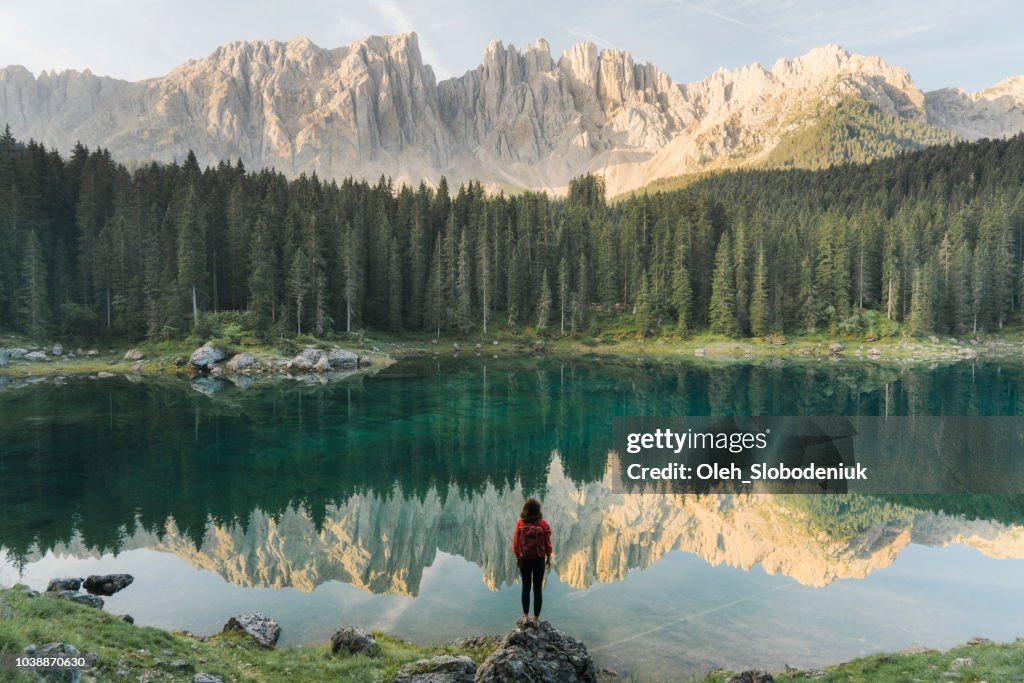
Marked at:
<point>439,669</point>
<point>752,676</point>
<point>354,641</point>
<point>205,356</point>
<point>133,355</point>
<point>69,584</point>
<point>537,652</point>
<point>264,630</point>
<point>107,584</point>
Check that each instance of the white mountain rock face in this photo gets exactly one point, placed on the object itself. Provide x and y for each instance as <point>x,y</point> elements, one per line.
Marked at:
<point>522,118</point>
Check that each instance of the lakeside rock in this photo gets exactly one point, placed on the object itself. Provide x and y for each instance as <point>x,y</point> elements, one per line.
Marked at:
<point>36,356</point>
<point>205,356</point>
<point>57,650</point>
<point>82,599</point>
<point>4,355</point>
<point>535,651</point>
<point>65,584</point>
<point>354,641</point>
<point>340,358</point>
<point>107,584</point>
<point>132,355</point>
<point>752,676</point>
<point>439,669</point>
<point>264,630</point>
<point>241,361</point>
<point>57,350</point>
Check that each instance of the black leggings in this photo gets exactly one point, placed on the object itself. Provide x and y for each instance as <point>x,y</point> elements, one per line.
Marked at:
<point>532,572</point>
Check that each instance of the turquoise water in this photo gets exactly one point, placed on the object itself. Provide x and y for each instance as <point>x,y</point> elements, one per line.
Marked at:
<point>388,502</point>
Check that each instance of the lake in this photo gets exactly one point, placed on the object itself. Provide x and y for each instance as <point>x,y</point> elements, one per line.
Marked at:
<point>388,501</point>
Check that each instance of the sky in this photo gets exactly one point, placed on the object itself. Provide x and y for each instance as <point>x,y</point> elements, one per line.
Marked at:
<point>969,44</point>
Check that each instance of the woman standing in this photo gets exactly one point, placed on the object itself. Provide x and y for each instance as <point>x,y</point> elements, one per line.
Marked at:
<point>531,543</point>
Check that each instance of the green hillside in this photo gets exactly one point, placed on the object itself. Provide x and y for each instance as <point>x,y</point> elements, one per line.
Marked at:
<point>854,132</point>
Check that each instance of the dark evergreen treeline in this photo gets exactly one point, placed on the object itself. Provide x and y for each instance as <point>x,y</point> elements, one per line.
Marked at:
<point>932,239</point>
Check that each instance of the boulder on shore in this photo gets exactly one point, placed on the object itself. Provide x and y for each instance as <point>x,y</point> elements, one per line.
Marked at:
<point>340,358</point>
<point>67,584</point>
<point>80,598</point>
<point>133,355</point>
<point>57,350</point>
<point>4,355</point>
<point>752,676</point>
<point>264,630</point>
<point>107,584</point>
<point>307,358</point>
<point>353,641</point>
<point>241,361</point>
<point>439,669</point>
<point>37,356</point>
<point>206,355</point>
<point>537,652</point>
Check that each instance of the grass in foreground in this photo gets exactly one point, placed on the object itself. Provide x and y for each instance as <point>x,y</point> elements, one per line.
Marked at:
<point>132,653</point>
<point>125,652</point>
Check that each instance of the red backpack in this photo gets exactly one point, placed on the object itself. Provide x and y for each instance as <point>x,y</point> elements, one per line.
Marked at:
<point>531,541</point>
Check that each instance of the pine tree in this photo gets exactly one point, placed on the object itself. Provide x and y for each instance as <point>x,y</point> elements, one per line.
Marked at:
<point>759,298</point>
<point>722,310</point>
<point>191,228</point>
<point>682,292</point>
<point>298,286</point>
<point>544,303</point>
<point>35,312</point>
<point>352,275</point>
<point>642,305</point>
<point>463,289</point>
<point>563,291</point>
<point>261,279</point>
<point>921,319</point>
<point>435,308</point>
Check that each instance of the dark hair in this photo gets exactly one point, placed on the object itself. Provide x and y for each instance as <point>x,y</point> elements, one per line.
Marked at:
<point>531,511</point>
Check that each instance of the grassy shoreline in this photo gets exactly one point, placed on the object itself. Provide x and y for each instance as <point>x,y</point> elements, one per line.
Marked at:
<point>383,349</point>
<point>125,652</point>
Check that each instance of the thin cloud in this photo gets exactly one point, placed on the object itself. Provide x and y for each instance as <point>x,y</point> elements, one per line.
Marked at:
<point>739,22</point>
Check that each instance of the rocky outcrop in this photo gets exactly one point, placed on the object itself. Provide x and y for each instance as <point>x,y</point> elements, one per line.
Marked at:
<point>353,641</point>
<point>240,362</point>
<point>70,674</point>
<point>57,585</point>
<point>264,630</point>
<point>439,669</point>
<point>205,356</point>
<point>80,598</point>
<point>522,117</point>
<point>536,652</point>
<point>752,676</point>
<point>107,584</point>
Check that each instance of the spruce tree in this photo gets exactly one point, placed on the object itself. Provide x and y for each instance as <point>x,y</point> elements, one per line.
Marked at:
<point>35,312</point>
<point>544,303</point>
<point>722,310</point>
<point>759,298</point>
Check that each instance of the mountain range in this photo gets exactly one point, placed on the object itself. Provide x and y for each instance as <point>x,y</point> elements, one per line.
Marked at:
<point>521,119</point>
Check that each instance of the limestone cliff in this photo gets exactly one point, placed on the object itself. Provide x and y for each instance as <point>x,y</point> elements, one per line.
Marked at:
<point>522,118</point>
